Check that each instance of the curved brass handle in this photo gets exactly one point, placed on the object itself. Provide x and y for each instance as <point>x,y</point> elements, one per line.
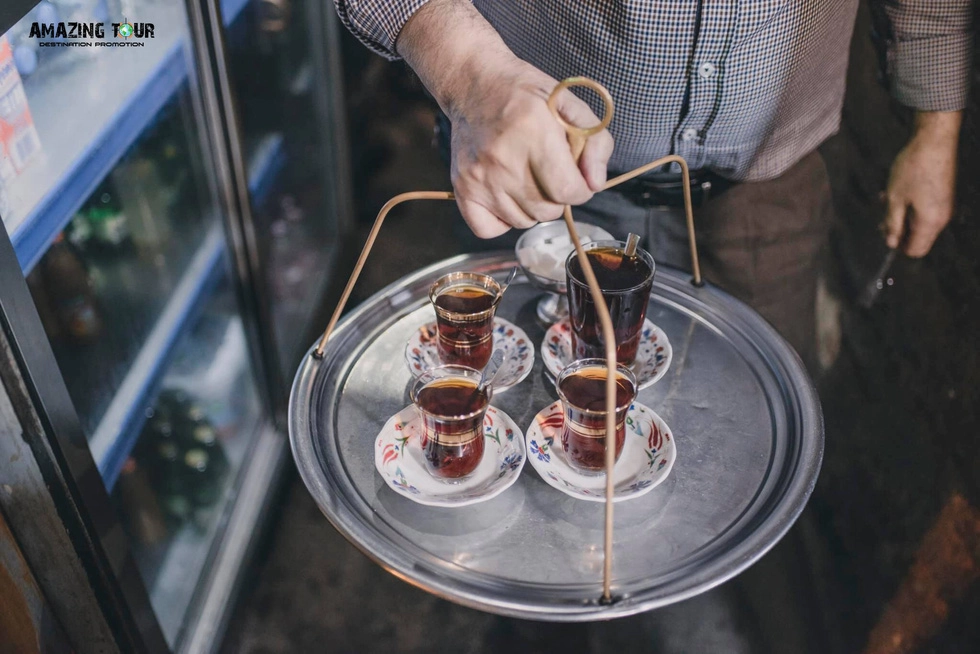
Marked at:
<point>366,250</point>
<point>577,136</point>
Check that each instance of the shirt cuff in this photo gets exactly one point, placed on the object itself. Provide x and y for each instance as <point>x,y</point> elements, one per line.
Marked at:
<point>377,23</point>
<point>933,73</point>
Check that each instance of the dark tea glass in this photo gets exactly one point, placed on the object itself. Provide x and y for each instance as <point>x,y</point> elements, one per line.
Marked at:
<point>452,414</point>
<point>625,282</point>
<point>465,303</point>
<point>582,389</point>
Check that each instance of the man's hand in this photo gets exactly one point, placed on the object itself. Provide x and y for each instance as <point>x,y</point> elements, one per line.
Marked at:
<point>922,183</point>
<point>511,163</point>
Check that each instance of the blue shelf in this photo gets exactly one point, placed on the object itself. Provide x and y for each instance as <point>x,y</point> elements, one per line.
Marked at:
<point>264,164</point>
<point>77,157</point>
<point>123,421</point>
<point>59,201</point>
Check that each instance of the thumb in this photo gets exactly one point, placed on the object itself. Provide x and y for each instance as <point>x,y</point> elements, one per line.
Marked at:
<point>894,223</point>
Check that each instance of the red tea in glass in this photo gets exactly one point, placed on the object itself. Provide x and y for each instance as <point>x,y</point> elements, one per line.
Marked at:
<point>582,388</point>
<point>465,304</point>
<point>625,282</point>
<point>452,412</point>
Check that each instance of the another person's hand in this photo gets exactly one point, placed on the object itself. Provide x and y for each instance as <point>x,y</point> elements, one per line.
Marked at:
<point>511,163</point>
<point>922,184</point>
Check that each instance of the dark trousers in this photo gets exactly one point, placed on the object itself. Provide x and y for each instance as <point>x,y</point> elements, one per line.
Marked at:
<point>760,241</point>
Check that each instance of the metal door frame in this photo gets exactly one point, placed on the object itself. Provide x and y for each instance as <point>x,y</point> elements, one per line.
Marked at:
<point>227,150</point>
<point>227,146</point>
<point>52,493</point>
<point>12,11</point>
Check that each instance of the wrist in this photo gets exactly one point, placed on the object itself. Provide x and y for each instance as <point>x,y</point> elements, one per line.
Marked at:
<point>450,46</point>
<point>938,128</point>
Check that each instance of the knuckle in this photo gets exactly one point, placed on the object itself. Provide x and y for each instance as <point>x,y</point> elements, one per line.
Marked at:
<point>566,191</point>
<point>606,143</point>
<point>578,194</point>
<point>480,226</point>
<point>549,212</point>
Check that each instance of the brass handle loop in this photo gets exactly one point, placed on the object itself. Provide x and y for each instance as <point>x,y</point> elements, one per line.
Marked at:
<point>577,137</point>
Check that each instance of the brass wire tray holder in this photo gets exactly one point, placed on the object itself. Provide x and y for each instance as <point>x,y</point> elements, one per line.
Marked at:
<point>577,137</point>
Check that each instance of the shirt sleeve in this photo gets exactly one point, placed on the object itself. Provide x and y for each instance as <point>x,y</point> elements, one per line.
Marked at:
<point>926,50</point>
<point>377,23</point>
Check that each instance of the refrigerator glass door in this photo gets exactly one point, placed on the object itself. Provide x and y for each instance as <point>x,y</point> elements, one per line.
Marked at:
<point>283,63</point>
<point>107,194</point>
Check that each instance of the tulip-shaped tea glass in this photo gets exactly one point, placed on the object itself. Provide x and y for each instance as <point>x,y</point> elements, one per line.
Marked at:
<point>452,411</point>
<point>582,389</point>
<point>626,282</point>
<point>465,303</point>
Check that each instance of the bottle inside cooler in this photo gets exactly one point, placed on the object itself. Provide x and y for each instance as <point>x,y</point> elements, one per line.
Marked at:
<point>197,431</point>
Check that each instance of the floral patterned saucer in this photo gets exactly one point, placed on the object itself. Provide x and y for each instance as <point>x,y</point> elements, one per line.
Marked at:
<point>648,456</point>
<point>398,459</point>
<point>421,352</point>
<point>652,357</point>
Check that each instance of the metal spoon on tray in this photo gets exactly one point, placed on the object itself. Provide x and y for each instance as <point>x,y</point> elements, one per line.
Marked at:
<point>632,242</point>
<point>490,372</point>
<point>510,278</point>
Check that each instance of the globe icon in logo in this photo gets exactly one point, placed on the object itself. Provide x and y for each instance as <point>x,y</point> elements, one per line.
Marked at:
<point>125,30</point>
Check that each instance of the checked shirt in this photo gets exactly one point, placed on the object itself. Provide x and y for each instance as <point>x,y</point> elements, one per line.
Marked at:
<point>743,87</point>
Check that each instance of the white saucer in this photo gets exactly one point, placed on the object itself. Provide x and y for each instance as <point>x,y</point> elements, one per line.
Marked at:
<point>422,354</point>
<point>399,460</point>
<point>648,456</point>
<point>652,356</point>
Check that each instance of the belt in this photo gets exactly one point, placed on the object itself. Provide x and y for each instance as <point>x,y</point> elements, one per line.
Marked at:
<point>659,189</point>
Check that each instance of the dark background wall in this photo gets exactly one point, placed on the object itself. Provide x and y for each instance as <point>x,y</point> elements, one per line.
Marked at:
<point>902,396</point>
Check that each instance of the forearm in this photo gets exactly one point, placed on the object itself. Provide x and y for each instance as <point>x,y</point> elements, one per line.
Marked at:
<point>511,165</point>
<point>448,44</point>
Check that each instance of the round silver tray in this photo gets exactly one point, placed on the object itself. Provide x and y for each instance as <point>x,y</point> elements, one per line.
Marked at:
<point>745,418</point>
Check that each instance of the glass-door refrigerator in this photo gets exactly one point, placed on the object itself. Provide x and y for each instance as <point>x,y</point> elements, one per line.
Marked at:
<point>173,194</point>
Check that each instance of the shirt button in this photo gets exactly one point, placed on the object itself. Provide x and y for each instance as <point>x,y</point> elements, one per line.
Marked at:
<point>706,70</point>
<point>689,134</point>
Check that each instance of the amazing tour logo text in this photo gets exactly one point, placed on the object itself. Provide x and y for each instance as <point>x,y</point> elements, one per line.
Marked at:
<point>60,35</point>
